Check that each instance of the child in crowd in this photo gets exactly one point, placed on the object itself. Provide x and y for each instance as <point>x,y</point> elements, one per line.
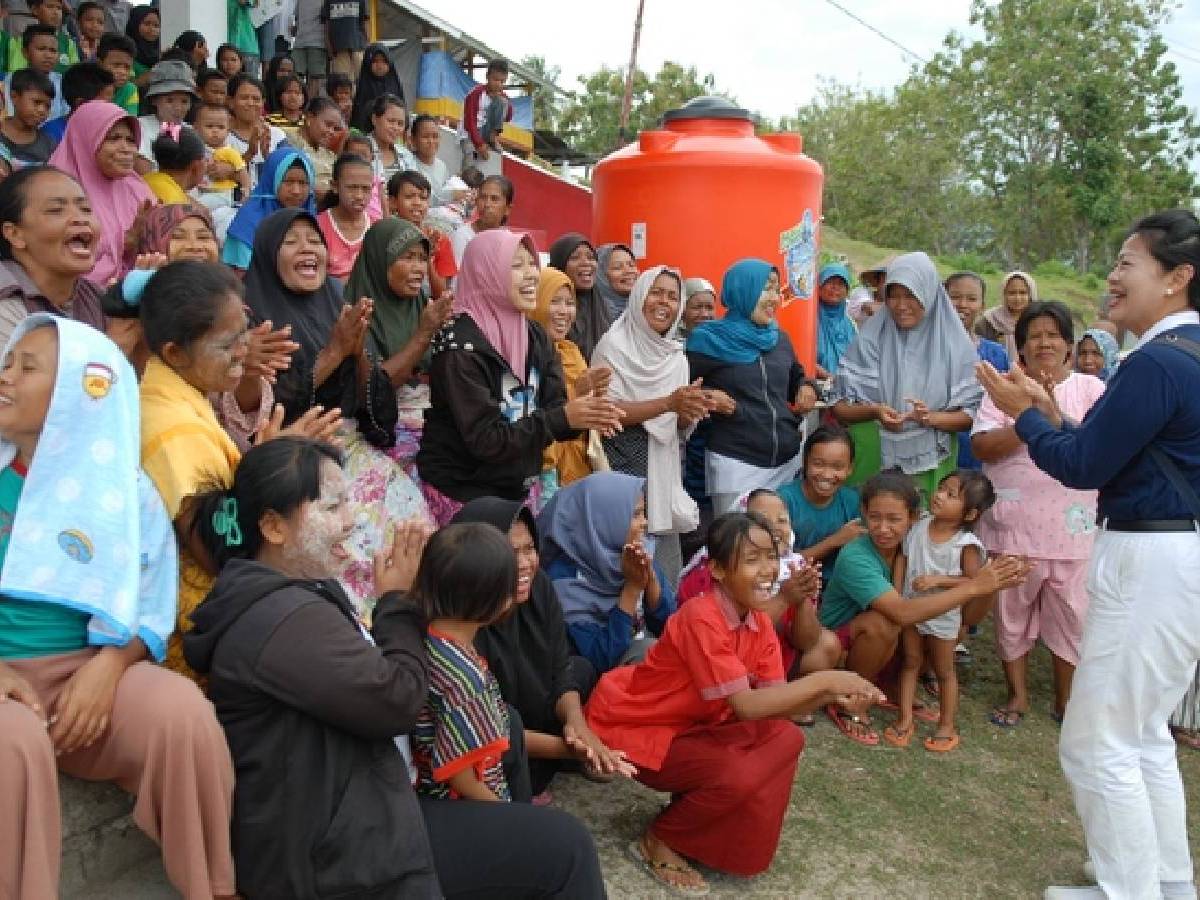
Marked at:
<point>240,33</point>
<point>116,53</point>
<point>287,100</point>
<point>705,717</point>
<point>286,183</point>
<point>861,603</point>
<point>39,48</point>
<point>467,580</point>
<point>229,61</point>
<point>49,13</point>
<point>82,82</point>
<point>823,511</point>
<point>485,110</point>
<point>940,552</point>
<point>426,138</point>
<point>227,172</point>
<point>169,95</point>
<point>341,92</point>
<point>213,87</point>
<point>32,94</point>
<point>87,603</point>
<point>462,190</point>
<point>90,16</point>
<point>408,198</point>
<point>360,146</point>
<point>179,155</point>
<point>343,219</point>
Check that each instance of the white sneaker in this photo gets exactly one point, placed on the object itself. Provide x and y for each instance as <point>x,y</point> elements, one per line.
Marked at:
<point>1061,892</point>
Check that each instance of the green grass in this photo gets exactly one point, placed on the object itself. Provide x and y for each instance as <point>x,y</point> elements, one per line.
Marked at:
<point>1081,294</point>
<point>993,819</point>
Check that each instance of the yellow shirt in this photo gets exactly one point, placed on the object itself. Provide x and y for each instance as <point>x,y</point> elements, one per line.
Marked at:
<point>165,187</point>
<point>233,158</point>
<point>184,451</point>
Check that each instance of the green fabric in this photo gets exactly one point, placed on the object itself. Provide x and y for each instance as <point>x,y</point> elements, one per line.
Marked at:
<point>29,629</point>
<point>127,97</point>
<point>14,58</point>
<point>860,577</point>
<point>241,29</point>
<point>868,460</point>
<point>395,318</point>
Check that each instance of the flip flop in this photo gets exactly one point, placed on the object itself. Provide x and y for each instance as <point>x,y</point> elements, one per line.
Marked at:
<point>870,739</point>
<point>893,737</point>
<point>942,743</point>
<point>658,870</point>
<point>921,712</point>
<point>1003,717</point>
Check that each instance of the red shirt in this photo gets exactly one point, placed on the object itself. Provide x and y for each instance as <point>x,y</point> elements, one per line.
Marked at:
<point>707,653</point>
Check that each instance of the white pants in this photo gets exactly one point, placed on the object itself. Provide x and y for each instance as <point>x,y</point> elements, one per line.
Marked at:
<point>1141,642</point>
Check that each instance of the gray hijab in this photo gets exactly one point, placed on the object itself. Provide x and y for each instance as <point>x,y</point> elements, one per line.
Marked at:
<point>933,362</point>
<point>603,288</point>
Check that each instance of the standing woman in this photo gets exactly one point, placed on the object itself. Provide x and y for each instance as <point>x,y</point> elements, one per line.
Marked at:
<point>999,324</point>
<point>754,441</point>
<point>574,254</point>
<point>616,271</point>
<point>496,387</point>
<point>1141,640</point>
<point>835,328</point>
<point>377,77</point>
<point>907,385</point>
<point>967,290</point>
<point>98,150</point>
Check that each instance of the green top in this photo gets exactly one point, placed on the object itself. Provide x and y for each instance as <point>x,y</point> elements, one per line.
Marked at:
<point>127,97</point>
<point>30,628</point>
<point>14,58</point>
<point>860,577</point>
<point>241,29</point>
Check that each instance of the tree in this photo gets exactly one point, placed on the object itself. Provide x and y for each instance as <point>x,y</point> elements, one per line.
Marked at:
<point>591,121</point>
<point>547,102</point>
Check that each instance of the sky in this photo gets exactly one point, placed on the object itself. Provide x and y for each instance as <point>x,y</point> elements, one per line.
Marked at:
<point>771,60</point>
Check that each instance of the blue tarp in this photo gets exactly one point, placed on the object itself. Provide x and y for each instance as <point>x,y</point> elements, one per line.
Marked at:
<point>441,77</point>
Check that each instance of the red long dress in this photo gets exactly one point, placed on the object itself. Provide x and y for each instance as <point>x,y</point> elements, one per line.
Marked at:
<point>731,780</point>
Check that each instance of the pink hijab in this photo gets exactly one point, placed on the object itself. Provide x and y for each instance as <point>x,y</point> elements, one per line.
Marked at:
<point>115,201</point>
<point>482,291</point>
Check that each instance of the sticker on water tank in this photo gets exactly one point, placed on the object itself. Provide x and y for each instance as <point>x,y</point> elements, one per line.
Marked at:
<point>637,240</point>
<point>799,248</point>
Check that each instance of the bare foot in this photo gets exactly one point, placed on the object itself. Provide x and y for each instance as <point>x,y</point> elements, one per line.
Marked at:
<point>667,865</point>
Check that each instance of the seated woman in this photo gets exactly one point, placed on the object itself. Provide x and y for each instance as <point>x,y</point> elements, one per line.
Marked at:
<point>288,285</point>
<point>574,254</point>
<point>1097,354</point>
<point>45,261</point>
<point>496,388</point>
<point>704,717</point>
<point>98,150</point>
<point>572,459</point>
<point>317,711</point>
<point>754,441</point>
<point>530,656</point>
<point>616,271</point>
<point>595,549</point>
<point>286,182</point>
<point>318,130</point>
<point>907,386</point>
<point>650,385</point>
<point>87,601</point>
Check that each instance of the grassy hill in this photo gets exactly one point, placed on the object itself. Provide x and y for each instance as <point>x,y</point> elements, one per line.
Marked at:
<point>1055,281</point>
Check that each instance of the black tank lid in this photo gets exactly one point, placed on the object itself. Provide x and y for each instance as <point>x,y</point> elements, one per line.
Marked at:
<point>706,108</point>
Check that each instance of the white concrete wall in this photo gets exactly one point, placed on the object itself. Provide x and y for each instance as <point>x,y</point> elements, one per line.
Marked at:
<point>204,16</point>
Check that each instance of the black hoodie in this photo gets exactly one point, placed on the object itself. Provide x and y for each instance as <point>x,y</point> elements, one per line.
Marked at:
<point>323,805</point>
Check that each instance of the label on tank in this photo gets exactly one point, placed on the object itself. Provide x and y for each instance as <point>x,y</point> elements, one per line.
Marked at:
<point>637,240</point>
<point>799,248</point>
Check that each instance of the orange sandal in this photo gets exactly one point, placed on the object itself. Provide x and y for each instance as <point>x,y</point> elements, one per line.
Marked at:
<point>943,743</point>
<point>894,737</point>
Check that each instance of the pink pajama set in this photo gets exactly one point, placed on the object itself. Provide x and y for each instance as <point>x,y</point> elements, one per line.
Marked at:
<point>1052,525</point>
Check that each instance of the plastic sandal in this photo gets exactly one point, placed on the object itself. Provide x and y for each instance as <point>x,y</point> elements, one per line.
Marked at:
<point>893,737</point>
<point>870,739</point>
<point>942,744</point>
<point>659,871</point>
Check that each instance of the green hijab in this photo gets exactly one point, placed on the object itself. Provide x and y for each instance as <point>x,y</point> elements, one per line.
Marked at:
<point>395,319</point>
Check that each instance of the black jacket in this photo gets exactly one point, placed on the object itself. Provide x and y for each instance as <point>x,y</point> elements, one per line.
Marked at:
<point>764,431</point>
<point>483,436</point>
<point>323,805</point>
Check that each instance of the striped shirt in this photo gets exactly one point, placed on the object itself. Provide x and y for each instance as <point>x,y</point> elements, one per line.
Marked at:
<point>464,723</point>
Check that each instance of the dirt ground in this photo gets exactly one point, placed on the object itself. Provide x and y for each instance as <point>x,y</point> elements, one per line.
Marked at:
<point>993,819</point>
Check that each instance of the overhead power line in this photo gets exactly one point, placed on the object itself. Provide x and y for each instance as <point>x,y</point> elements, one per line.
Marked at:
<point>865,24</point>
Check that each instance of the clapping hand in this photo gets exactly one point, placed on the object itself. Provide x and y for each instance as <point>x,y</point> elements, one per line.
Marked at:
<point>270,351</point>
<point>396,567</point>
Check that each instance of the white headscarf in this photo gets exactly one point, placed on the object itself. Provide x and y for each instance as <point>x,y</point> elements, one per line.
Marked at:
<point>933,362</point>
<point>646,364</point>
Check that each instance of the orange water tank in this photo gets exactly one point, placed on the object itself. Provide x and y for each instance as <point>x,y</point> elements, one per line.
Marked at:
<point>705,191</point>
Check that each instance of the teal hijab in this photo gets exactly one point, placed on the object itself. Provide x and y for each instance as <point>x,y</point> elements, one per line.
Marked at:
<point>735,339</point>
<point>835,330</point>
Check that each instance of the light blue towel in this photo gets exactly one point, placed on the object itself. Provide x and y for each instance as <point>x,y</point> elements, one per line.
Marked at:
<point>91,532</point>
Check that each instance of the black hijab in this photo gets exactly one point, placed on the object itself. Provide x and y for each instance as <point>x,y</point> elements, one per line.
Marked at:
<point>371,87</point>
<point>528,650</point>
<point>147,52</point>
<point>312,317</point>
<point>593,315</point>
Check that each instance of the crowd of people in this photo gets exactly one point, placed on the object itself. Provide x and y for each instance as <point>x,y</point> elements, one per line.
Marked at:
<point>337,525</point>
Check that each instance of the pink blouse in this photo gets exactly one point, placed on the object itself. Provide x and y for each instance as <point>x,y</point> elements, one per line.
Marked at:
<point>1035,515</point>
<point>342,253</point>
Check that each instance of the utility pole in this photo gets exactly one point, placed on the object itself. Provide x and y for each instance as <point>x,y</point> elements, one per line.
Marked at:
<point>627,102</point>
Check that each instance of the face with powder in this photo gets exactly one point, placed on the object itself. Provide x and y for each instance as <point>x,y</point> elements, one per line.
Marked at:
<point>317,532</point>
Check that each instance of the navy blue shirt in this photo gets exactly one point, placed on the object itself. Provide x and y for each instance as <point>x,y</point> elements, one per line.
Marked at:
<point>991,352</point>
<point>1153,397</point>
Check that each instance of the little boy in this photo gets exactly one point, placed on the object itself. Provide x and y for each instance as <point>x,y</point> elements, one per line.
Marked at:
<point>48,12</point>
<point>408,198</point>
<point>82,82</point>
<point>90,16</point>
<point>213,87</point>
<point>227,172</point>
<point>485,110</point>
<point>32,93</point>
<point>116,53</point>
<point>39,49</point>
